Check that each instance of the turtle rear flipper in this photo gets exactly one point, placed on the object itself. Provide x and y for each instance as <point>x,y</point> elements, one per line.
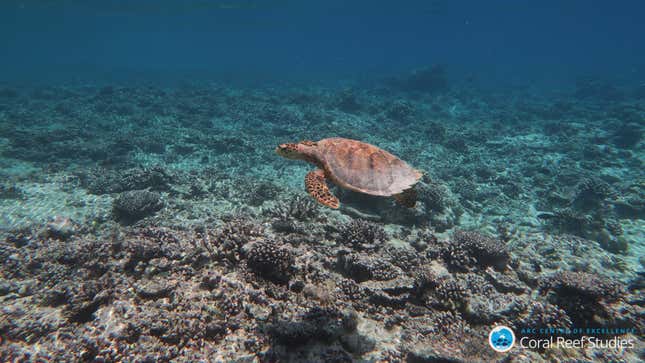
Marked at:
<point>317,187</point>
<point>407,198</point>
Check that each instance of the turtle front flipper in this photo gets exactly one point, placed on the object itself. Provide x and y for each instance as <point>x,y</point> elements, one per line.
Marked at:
<point>407,198</point>
<point>317,187</point>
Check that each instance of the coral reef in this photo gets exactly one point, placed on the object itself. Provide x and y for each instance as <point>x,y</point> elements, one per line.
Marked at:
<point>270,260</point>
<point>59,227</point>
<point>591,193</point>
<point>294,215</point>
<point>468,249</point>
<point>228,243</point>
<point>142,223</point>
<point>359,233</point>
<point>133,205</point>
<point>10,192</point>
<point>580,294</point>
<point>111,181</point>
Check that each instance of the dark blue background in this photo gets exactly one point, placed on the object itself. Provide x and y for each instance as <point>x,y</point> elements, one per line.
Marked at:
<point>503,41</point>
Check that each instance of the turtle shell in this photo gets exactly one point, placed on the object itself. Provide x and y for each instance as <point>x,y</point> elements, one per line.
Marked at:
<point>365,168</point>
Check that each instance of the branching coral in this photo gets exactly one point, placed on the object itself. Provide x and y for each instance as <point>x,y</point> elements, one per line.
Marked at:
<point>131,206</point>
<point>467,249</point>
<point>298,208</point>
<point>568,220</point>
<point>325,324</point>
<point>101,181</point>
<point>233,236</point>
<point>362,268</point>
<point>405,258</point>
<point>591,192</point>
<point>591,286</point>
<point>359,233</point>
<point>580,294</point>
<point>544,315</point>
<point>257,193</point>
<point>433,195</point>
<point>450,293</point>
<point>271,260</point>
<point>448,322</point>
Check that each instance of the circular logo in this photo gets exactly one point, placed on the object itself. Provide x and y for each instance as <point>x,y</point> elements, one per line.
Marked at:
<point>501,338</point>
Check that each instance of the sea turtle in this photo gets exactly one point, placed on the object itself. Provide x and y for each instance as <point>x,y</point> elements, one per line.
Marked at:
<point>353,165</point>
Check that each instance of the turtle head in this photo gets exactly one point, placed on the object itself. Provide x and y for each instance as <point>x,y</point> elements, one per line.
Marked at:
<point>300,150</point>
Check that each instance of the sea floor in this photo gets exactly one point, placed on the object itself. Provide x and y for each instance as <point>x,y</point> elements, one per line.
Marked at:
<point>148,223</point>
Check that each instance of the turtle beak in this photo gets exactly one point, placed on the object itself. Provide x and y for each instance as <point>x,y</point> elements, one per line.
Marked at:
<point>281,150</point>
<point>289,151</point>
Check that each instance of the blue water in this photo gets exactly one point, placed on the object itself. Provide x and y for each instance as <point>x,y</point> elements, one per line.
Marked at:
<point>514,41</point>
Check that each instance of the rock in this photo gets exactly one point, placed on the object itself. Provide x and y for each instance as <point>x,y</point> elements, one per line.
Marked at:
<point>488,309</point>
<point>214,329</point>
<point>297,286</point>
<point>358,344</point>
<point>505,282</point>
<point>434,354</point>
<point>322,324</point>
<point>259,312</point>
<point>60,228</point>
<point>154,289</point>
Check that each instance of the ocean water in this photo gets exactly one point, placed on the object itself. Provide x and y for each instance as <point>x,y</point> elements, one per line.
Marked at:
<point>156,203</point>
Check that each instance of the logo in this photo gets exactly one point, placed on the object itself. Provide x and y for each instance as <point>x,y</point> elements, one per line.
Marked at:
<point>501,338</point>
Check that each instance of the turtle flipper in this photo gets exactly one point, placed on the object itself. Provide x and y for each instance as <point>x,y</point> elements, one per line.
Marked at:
<point>407,198</point>
<point>317,187</point>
